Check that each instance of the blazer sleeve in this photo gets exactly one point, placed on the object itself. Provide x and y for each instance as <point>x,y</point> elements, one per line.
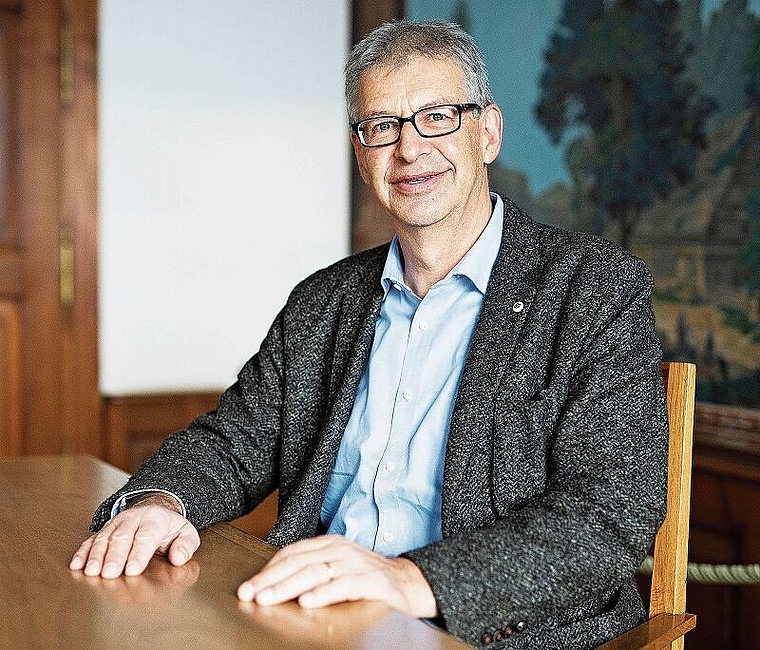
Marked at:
<point>226,461</point>
<point>588,531</point>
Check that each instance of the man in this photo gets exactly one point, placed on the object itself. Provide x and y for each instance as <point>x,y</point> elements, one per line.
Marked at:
<point>474,414</point>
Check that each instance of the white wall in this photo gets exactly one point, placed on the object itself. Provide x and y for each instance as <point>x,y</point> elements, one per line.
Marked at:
<point>224,179</point>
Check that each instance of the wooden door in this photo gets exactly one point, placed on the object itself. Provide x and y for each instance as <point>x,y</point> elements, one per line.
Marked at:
<point>49,399</point>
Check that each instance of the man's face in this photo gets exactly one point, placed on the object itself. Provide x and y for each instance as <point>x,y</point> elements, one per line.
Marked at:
<point>423,181</point>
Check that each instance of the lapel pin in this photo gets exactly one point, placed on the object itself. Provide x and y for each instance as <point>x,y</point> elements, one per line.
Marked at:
<point>518,307</point>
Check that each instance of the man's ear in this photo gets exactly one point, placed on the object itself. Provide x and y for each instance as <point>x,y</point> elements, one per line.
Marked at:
<point>359,152</point>
<point>491,128</point>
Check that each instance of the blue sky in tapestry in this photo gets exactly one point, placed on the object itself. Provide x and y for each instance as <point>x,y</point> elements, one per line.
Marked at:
<point>700,236</point>
<point>512,35</point>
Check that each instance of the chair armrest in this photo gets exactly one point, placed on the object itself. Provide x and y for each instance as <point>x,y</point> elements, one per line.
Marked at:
<point>658,632</point>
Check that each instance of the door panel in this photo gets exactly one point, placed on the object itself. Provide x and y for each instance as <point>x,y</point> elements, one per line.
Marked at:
<point>48,349</point>
<point>11,259</point>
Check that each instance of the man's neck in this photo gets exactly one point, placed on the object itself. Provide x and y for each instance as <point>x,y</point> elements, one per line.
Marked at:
<point>431,252</point>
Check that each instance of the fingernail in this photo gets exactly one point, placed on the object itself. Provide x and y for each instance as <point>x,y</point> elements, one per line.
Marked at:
<point>132,569</point>
<point>181,556</point>
<point>265,597</point>
<point>306,600</point>
<point>110,570</point>
<point>245,592</point>
<point>93,566</point>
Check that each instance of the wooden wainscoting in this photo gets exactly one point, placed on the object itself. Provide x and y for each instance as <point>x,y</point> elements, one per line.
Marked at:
<point>135,426</point>
<point>725,525</point>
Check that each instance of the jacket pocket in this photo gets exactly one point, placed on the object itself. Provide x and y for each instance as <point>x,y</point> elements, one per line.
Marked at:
<point>522,434</point>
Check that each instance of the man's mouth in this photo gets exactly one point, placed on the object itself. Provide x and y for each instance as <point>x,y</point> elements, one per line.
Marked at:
<point>418,179</point>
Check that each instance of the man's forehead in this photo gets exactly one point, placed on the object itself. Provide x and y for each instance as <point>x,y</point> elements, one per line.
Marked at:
<point>410,64</point>
<point>440,77</point>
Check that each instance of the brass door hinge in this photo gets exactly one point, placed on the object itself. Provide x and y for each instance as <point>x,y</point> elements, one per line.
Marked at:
<point>67,268</point>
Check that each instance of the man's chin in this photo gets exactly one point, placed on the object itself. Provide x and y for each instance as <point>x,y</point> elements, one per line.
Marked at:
<point>418,219</point>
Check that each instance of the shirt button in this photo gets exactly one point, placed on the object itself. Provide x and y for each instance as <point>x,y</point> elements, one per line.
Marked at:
<point>387,537</point>
<point>390,465</point>
<point>407,395</point>
<point>423,326</point>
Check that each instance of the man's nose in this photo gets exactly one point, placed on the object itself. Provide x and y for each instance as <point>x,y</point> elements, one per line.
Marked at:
<point>410,143</point>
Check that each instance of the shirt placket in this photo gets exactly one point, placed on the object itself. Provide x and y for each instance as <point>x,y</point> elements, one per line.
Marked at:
<point>392,462</point>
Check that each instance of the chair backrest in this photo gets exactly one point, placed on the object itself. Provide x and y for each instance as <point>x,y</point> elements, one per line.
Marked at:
<point>668,595</point>
<point>668,621</point>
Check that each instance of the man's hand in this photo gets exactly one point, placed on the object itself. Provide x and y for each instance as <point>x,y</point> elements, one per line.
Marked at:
<point>128,541</point>
<point>330,569</point>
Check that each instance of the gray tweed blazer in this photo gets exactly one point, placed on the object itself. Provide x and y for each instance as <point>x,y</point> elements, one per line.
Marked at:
<point>555,472</point>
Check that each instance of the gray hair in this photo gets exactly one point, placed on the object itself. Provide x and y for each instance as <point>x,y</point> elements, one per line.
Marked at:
<point>394,43</point>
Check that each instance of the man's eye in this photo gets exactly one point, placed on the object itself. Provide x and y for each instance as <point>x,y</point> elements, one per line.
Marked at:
<point>438,117</point>
<point>382,127</point>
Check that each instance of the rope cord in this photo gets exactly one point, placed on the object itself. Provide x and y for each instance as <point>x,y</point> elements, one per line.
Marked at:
<point>721,574</point>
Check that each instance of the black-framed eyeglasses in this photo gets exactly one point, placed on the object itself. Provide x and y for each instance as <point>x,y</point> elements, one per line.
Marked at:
<point>429,122</point>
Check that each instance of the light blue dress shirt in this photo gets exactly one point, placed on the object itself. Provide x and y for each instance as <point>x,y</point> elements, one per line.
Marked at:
<point>385,488</point>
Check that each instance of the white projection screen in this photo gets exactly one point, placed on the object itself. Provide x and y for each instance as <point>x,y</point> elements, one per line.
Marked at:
<point>223,179</point>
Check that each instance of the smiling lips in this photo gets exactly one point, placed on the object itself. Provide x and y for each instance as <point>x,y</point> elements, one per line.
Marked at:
<point>416,182</point>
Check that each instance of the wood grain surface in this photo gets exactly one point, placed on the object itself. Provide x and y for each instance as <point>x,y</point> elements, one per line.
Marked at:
<point>45,509</point>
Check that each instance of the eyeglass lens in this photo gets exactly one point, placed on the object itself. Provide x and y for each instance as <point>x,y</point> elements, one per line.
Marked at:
<point>429,122</point>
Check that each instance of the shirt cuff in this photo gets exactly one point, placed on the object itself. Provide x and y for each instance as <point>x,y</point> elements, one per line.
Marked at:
<point>119,505</point>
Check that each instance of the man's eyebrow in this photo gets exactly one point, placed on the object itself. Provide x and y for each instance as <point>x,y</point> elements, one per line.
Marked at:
<point>380,113</point>
<point>390,113</point>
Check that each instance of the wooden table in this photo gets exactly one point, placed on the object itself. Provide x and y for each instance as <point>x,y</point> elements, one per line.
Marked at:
<point>45,509</point>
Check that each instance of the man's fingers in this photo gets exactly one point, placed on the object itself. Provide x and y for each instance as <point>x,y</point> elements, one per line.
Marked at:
<point>99,544</point>
<point>129,540</point>
<point>296,556</point>
<point>296,584</point>
<point>306,567</point>
<point>121,546</point>
<point>328,571</point>
<point>144,542</point>
<point>80,556</point>
<point>312,545</point>
<point>336,591</point>
<point>184,545</point>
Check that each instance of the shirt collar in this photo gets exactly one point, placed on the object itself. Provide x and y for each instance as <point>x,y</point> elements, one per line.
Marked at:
<point>475,265</point>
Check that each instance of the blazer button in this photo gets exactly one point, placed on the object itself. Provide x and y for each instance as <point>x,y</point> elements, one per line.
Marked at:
<point>498,635</point>
<point>520,626</point>
<point>518,306</point>
<point>509,630</point>
<point>486,639</point>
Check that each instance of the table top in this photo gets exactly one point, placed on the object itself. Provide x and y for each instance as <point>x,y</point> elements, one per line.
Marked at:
<point>45,509</point>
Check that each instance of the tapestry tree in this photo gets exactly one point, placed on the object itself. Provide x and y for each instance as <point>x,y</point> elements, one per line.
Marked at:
<point>613,88</point>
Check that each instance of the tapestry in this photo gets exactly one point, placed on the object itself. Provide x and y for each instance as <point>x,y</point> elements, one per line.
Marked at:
<point>639,121</point>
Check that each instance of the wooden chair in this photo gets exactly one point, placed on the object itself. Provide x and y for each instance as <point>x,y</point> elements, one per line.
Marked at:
<point>668,621</point>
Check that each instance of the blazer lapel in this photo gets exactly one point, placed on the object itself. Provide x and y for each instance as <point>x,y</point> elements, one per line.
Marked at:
<point>507,301</point>
<point>353,342</point>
